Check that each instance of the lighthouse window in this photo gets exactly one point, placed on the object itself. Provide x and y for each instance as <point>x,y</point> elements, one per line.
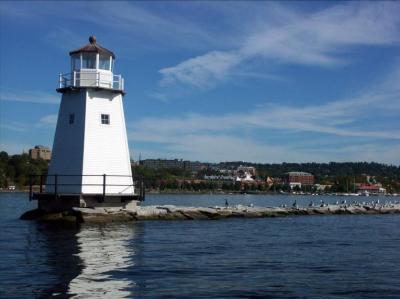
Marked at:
<point>105,119</point>
<point>89,60</point>
<point>71,118</point>
<point>76,62</point>
<point>104,62</point>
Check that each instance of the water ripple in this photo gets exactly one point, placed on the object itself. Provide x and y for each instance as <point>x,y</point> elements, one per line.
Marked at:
<point>293,257</point>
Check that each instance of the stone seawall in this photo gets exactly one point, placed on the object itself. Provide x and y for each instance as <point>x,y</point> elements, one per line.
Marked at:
<point>168,212</point>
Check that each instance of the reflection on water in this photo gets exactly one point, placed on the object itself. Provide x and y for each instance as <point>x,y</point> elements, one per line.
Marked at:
<point>293,257</point>
<point>58,262</point>
<point>105,254</point>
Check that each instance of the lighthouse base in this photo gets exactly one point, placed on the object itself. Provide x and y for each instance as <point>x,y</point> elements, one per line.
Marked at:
<point>51,202</point>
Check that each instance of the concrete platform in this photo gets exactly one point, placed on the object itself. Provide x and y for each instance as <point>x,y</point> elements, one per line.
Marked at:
<point>51,202</point>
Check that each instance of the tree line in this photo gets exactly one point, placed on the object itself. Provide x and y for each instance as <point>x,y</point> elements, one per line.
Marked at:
<point>341,177</point>
<point>16,170</point>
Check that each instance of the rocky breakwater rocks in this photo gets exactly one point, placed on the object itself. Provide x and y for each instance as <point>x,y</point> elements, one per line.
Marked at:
<point>169,212</point>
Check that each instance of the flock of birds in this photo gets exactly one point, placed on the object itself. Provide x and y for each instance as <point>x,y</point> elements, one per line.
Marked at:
<point>344,204</point>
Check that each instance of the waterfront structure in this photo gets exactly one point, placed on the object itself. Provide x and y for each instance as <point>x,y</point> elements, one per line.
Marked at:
<point>298,178</point>
<point>173,164</point>
<point>194,166</point>
<point>244,178</point>
<point>322,187</point>
<point>242,170</point>
<point>90,165</point>
<point>162,163</point>
<point>225,178</point>
<point>370,189</point>
<point>269,181</point>
<point>245,173</point>
<point>40,152</point>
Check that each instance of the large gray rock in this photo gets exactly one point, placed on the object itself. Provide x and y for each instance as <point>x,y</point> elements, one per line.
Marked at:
<point>170,212</point>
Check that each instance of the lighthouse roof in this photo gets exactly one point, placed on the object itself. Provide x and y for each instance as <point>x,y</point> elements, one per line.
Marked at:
<point>93,47</point>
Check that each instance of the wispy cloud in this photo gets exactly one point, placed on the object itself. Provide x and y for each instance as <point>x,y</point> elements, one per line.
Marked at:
<point>158,96</point>
<point>36,97</point>
<point>15,126</point>
<point>222,136</point>
<point>318,39</point>
<point>201,71</point>
<point>48,121</point>
<point>138,24</point>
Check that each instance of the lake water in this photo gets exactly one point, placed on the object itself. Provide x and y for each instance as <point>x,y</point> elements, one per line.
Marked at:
<point>340,256</point>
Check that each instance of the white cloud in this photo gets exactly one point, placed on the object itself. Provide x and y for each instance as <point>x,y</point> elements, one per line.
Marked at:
<point>45,121</point>
<point>14,126</point>
<point>201,71</point>
<point>138,24</point>
<point>36,97</point>
<point>221,137</point>
<point>318,39</point>
<point>48,120</point>
<point>158,96</point>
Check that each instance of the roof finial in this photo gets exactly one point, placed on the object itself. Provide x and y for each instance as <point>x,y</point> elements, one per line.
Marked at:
<point>92,39</point>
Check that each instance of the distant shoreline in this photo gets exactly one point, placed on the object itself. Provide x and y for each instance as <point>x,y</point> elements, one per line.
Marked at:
<point>213,192</point>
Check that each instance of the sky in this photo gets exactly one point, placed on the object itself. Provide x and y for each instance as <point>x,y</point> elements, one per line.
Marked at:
<point>261,81</point>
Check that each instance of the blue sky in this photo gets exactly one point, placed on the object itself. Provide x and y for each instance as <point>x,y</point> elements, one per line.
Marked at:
<point>217,81</point>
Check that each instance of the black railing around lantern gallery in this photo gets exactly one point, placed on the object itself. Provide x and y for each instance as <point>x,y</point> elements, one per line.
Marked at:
<point>55,182</point>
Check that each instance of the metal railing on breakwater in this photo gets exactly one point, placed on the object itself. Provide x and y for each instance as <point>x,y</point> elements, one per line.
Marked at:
<point>137,184</point>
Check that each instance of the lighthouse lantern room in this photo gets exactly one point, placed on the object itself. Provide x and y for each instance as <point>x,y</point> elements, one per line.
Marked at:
<point>90,163</point>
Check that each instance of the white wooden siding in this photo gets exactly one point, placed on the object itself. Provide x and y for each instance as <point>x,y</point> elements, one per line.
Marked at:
<point>67,154</point>
<point>90,148</point>
<point>105,148</point>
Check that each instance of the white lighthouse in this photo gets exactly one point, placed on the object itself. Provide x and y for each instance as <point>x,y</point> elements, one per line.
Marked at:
<point>90,164</point>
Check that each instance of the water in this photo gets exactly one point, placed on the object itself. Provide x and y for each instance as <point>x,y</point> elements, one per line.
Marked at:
<point>340,256</point>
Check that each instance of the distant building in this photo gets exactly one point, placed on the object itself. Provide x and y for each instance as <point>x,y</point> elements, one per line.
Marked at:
<point>269,181</point>
<point>373,189</point>
<point>299,178</point>
<point>194,166</point>
<point>242,170</point>
<point>162,163</point>
<point>175,163</point>
<point>227,178</point>
<point>230,172</point>
<point>40,152</point>
<point>245,174</point>
<point>320,187</point>
<point>134,163</point>
<point>277,181</point>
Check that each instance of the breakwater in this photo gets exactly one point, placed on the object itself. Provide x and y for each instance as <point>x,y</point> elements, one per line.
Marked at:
<point>171,212</point>
<point>334,256</point>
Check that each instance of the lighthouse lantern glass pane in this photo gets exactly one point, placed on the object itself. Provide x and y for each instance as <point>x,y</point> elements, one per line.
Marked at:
<point>104,62</point>
<point>76,62</point>
<point>89,60</point>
